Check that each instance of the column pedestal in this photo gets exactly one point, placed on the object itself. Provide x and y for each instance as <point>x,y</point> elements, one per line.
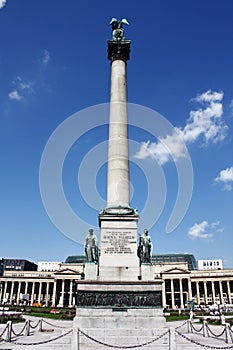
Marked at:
<point>118,248</point>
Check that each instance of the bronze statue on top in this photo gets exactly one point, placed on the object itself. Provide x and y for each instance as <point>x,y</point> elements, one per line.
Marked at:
<point>117,29</point>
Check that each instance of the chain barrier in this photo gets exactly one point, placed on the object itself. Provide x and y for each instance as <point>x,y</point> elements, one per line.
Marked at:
<point>183,324</point>
<point>45,341</point>
<point>203,345</point>
<point>53,325</point>
<point>215,335</point>
<point>123,346</point>
<point>5,329</point>
<point>21,332</point>
<point>196,330</point>
<point>33,327</point>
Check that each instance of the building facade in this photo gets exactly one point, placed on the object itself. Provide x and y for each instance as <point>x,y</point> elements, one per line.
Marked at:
<point>182,283</point>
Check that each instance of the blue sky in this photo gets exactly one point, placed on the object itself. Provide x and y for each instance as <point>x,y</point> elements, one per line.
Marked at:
<point>53,64</point>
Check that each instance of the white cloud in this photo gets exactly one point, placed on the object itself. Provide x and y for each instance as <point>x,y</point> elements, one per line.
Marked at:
<point>2,3</point>
<point>204,230</point>
<point>45,58</point>
<point>14,95</point>
<point>205,123</point>
<point>231,105</point>
<point>226,177</point>
<point>23,85</point>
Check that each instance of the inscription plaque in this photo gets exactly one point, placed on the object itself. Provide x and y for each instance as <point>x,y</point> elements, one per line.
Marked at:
<point>118,242</point>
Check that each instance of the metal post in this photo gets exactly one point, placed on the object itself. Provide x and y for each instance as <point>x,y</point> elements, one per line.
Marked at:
<point>227,333</point>
<point>9,330</point>
<point>27,328</point>
<point>40,325</point>
<point>204,328</point>
<point>189,326</point>
<point>172,339</point>
<point>78,338</point>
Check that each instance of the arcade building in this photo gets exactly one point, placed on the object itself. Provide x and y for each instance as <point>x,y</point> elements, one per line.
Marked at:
<point>184,279</point>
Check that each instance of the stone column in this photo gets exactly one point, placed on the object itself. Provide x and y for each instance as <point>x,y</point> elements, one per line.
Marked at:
<point>118,189</point>
<point>1,293</point>
<point>181,294</point>
<point>62,292</point>
<point>54,293</point>
<point>205,293</point>
<point>39,294</point>
<point>26,287</point>
<point>71,293</point>
<point>190,289</point>
<point>229,292</point>
<point>213,292</point>
<point>33,291</point>
<point>221,293</point>
<point>172,294</point>
<point>18,293</point>
<point>198,293</point>
<point>5,289</point>
<point>12,290</point>
<point>47,294</point>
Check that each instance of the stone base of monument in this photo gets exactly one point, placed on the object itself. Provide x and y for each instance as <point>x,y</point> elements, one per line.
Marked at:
<point>91,271</point>
<point>147,272</point>
<point>118,248</point>
<point>120,313</point>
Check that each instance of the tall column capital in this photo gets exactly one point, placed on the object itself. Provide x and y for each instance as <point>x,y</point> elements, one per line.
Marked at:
<point>118,50</point>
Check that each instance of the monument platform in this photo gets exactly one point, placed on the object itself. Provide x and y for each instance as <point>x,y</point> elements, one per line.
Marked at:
<point>121,312</point>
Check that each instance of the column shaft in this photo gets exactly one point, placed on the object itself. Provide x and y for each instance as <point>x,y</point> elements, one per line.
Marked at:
<point>18,293</point>
<point>198,293</point>
<point>181,294</point>
<point>172,294</point>
<point>54,293</point>
<point>71,294</point>
<point>12,291</point>
<point>205,293</point>
<point>33,291</point>
<point>118,193</point>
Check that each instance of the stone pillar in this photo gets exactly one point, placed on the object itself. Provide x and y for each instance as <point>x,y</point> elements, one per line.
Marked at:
<point>190,289</point>
<point>18,293</point>
<point>229,292</point>
<point>1,294</point>
<point>47,294</point>
<point>62,292</point>
<point>12,291</point>
<point>118,188</point>
<point>5,289</point>
<point>33,291</point>
<point>39,294</point>
<point>71,293</point>
<point>205,293</point>
<point>213,292</point>
<point>172,294</point>
<point>198,293</point>
<point>221,293</point>
<point>54,293</point>
<point>26,287</point>
<point>181,294</point>
<point>163,294</point>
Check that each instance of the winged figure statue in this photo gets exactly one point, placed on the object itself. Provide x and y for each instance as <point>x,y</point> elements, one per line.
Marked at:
<point>117,29</point>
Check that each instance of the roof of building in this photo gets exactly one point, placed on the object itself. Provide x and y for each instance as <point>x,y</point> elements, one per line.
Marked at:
<point>157,259</point>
